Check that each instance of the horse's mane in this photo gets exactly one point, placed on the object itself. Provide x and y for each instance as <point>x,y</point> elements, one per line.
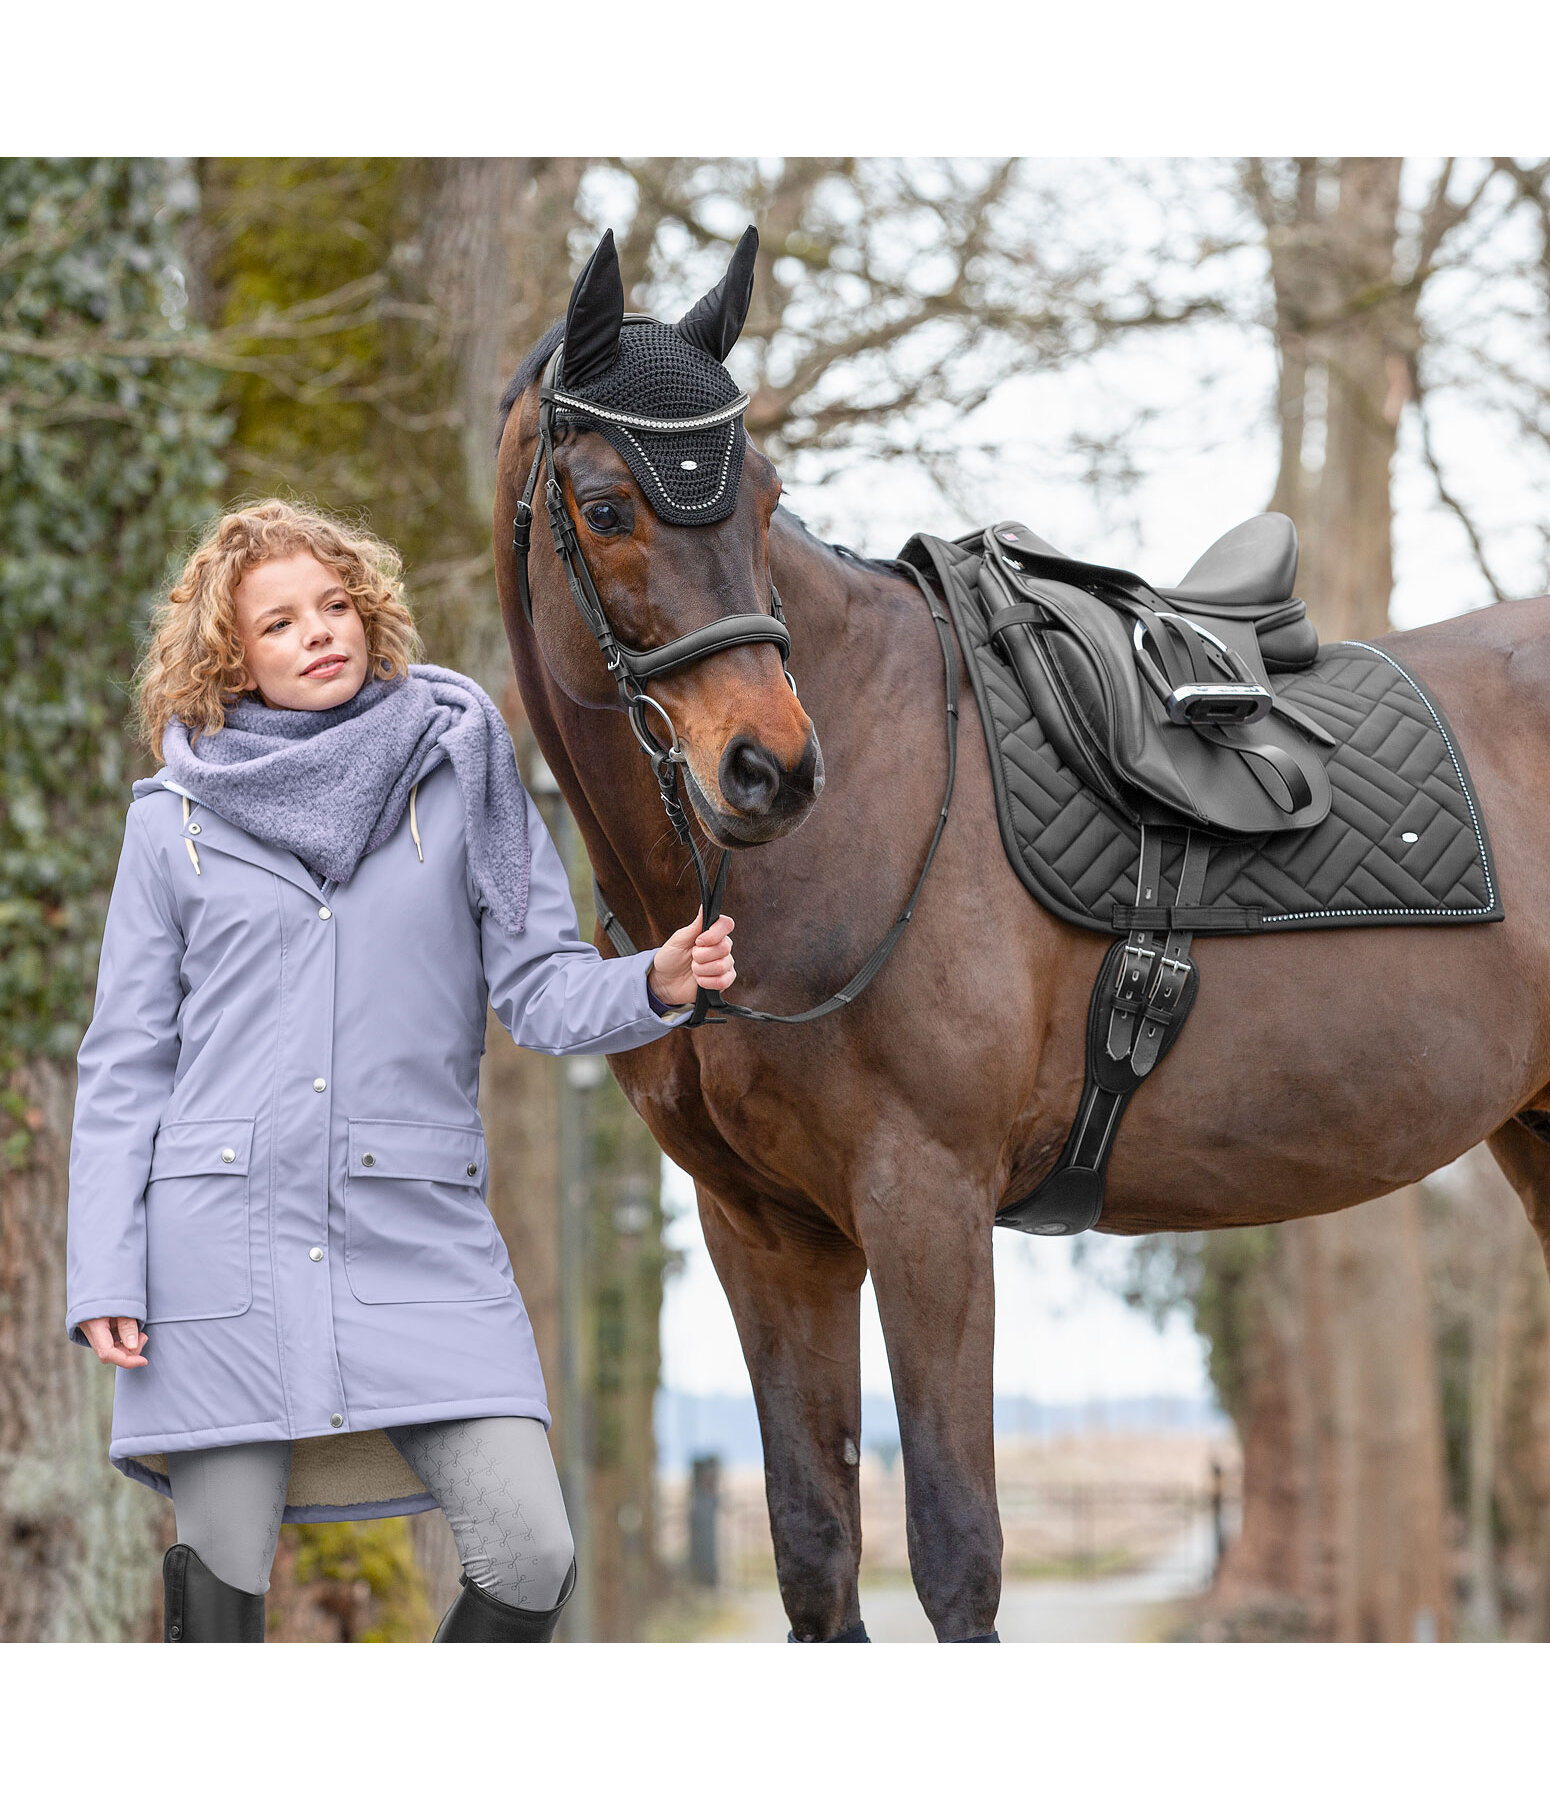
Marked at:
<point>530,368</point>
<point>878,565</point>
<point>528,371</point>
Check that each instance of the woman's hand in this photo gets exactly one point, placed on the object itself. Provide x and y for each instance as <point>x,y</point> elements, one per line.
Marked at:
<point>123,1354</point>
<point>693,958</point>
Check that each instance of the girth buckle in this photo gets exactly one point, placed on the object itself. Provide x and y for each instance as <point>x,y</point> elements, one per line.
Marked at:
<point>1135,975</point>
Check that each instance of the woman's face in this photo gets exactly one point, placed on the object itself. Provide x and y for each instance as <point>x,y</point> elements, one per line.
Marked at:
<point>302,639</point>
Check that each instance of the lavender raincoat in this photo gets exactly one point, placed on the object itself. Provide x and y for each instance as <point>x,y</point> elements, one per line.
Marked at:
<point>277,1161</point>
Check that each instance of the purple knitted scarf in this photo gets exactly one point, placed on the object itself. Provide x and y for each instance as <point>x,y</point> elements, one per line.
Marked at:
<point>332,785</point>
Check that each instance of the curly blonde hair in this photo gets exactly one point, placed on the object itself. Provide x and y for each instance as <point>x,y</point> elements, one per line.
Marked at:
<point>194,666</point>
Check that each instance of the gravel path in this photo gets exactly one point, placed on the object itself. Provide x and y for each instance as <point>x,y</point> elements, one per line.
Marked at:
<point>1122,1609</point>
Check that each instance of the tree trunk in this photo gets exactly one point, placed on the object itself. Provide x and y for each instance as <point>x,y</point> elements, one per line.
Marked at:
<point>1344,1481</point>
<point>1491,1303</point>
<point>80,1555</point>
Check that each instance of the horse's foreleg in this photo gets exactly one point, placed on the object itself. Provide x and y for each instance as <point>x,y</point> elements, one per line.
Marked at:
<point>794,1287</point>
<point>1524,1158</point>
<point>929,1253</point>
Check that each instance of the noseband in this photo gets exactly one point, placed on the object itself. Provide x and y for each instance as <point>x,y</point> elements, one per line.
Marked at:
<point>632,669</point>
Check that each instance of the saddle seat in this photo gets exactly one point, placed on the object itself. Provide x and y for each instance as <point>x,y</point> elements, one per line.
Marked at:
<point>1249,572</point>
<point>1161,698</point>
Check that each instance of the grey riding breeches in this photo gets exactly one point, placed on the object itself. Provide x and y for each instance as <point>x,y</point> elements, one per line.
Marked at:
<point>493,1478</point>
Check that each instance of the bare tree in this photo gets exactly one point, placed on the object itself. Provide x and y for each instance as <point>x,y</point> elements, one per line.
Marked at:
<point>1344,1478</point>
<point>895,297</point>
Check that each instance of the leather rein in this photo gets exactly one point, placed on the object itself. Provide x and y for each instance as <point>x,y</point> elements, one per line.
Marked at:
<point>632,669</point>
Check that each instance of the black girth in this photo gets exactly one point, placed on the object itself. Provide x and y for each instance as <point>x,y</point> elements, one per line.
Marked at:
<point>632,669</point>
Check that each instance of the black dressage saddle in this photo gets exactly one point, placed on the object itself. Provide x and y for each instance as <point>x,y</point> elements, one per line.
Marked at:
<point>1160,698</point>
<point>1173,761</point>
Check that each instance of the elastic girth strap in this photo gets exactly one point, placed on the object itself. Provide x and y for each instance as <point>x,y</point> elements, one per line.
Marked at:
<point>1140,1001</point>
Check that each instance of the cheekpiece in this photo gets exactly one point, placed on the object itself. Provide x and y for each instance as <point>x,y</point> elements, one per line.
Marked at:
<point>676,417</point>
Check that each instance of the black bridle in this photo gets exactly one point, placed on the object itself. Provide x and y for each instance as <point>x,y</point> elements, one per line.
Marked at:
<point>632,669</point>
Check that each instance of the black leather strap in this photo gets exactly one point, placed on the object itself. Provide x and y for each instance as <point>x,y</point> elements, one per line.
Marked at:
<point>1173,965</point>
<point>1023,612</point>
<point>1276,771</point>
<point>1138,963</point>
<point>710,1006</point>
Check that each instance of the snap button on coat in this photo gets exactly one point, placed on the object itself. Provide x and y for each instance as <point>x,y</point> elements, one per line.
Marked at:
<point>200,1182</point>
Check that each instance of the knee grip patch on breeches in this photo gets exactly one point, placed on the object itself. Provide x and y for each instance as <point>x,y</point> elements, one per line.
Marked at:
<point>495,1481</point>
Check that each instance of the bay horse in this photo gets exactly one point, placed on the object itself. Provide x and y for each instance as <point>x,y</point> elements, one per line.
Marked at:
<point>1319,1069</point>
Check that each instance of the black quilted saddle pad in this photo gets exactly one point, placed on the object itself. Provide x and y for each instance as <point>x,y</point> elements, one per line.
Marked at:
<point>1404,843</point>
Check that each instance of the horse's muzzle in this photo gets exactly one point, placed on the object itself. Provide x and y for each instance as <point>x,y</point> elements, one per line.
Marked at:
<point>760,798</point>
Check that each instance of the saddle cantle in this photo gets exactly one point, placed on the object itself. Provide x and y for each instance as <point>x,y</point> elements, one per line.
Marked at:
<point>1114,822</point>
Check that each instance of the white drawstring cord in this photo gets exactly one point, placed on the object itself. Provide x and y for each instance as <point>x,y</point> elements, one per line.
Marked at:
<point>193,854</point>
<point>414,831</point>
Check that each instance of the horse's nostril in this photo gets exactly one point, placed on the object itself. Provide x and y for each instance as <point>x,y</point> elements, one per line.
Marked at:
<point>807,776</point>
<point>750,776</point>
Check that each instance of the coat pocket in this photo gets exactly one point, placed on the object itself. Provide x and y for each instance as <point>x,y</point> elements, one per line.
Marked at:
<point>416,1225</point>
<point>197,1264</point>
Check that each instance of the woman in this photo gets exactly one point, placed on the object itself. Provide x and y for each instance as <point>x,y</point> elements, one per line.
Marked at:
<point>277,1228</point>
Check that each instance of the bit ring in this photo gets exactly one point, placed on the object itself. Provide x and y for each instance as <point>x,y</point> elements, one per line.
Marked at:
<point>644,737</point>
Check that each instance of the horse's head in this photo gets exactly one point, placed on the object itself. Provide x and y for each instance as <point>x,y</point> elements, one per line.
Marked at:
<point>641,428</point>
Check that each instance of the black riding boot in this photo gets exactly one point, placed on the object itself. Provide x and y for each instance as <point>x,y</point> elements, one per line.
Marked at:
<point>476,1617</point>
<point>201,1608</point>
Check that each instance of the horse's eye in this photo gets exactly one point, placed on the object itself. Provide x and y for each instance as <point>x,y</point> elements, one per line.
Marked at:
<point>601,516</point>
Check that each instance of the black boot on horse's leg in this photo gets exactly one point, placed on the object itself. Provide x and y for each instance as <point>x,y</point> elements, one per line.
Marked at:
<point>200,1608</point>
<point>477,1617</point>
<point>856,1634</point>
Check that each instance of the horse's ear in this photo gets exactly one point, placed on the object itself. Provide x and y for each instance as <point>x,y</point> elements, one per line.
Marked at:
<point>593,318</point>
<point>713,324</point>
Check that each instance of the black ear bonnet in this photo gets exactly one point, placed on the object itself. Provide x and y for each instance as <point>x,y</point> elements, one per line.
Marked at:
<point>658,393</point>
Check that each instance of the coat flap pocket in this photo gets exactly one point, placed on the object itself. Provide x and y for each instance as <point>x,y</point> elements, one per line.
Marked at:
<point>407,1150</point>
<point>202,1147</point>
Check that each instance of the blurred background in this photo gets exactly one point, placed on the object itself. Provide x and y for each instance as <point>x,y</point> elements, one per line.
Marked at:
<point>1333,1429</point>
